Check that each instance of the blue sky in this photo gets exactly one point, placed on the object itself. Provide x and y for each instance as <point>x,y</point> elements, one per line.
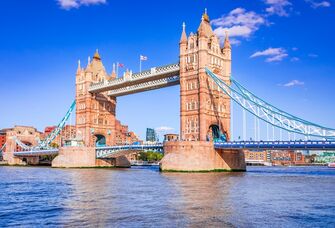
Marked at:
<point>283,51</point>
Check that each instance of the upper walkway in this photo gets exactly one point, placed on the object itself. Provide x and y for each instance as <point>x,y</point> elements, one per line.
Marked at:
<point>156,77</point>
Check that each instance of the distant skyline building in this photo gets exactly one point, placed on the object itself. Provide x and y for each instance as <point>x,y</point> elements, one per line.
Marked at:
<point>151,135</point>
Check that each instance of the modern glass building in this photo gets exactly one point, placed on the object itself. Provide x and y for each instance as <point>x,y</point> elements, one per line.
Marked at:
<point>151,135</point>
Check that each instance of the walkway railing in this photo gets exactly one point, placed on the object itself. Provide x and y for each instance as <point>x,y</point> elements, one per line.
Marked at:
<point>277,145</point>
<point>153,74</point>
<point>102,152</point>
<point>151,85</point>
<point>32,153</point>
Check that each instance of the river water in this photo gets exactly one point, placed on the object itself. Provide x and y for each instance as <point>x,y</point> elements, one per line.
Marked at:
<point>144,197</point>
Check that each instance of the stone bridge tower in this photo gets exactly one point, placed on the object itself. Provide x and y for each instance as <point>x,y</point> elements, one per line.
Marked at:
<point>95,113</point>
<point>205,109</point>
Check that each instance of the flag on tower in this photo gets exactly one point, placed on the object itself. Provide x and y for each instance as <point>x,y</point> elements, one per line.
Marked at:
<point>143,58</point>
<point>117,68</point>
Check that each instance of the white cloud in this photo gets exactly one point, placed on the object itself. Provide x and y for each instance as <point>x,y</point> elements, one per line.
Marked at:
<point>238,23</point>
<point>272,54</point>
<point>295,59</point>
<point>164,129</point>
<point>278,7</point>
<point>317,4</point>
<point>68,4</point>
<point>294,83</point>
<point>276,58</point>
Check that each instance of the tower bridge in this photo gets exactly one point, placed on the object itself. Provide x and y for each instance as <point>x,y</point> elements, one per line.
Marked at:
<point>207,91</point>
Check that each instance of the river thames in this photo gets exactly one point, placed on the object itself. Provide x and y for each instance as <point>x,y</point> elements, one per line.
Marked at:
<point>144,197</point>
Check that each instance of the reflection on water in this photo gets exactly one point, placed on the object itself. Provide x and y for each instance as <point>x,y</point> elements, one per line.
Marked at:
<point>144,197</point>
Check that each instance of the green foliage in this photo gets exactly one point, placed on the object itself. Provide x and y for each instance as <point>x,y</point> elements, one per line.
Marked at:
<point>150,156</point>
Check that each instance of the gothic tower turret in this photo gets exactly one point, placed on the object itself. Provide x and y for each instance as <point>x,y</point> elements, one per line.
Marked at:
<point>95,113</point>
<point>205,110</point>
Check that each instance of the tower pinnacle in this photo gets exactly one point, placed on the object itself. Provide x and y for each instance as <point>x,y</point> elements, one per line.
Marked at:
<point>205,16</point>
<point>205,28</point>
<point>96,55</point>
<point>183,38</point>
<point>79,68</point>
<point>226,41</point>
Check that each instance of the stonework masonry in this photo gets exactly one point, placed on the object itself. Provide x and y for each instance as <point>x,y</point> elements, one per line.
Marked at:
<point>200,156</point>
<point>74,157</point>
<point>26,134</point>
<point>204,108</point>
<point>202,104</point>
<point>95,113</point>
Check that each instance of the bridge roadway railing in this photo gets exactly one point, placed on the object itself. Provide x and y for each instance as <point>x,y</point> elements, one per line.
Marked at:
<point>32,153</point>
<point>277,145</point>
<point>145,86</point>
<point>154,73</point>
<point>102,152</point>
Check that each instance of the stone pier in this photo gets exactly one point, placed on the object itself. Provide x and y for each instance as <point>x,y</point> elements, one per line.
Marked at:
<point>200,156</point>
<point>13,160</point>
<point>81,157</point>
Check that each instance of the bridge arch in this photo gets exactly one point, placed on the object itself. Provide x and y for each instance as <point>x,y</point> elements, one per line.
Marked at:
<point>100,140</point>
<point>215,134</point>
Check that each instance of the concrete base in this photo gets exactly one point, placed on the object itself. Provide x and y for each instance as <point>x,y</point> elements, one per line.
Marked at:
<point>12,160</point>
<point>190,156</point>
<point>78,157</point>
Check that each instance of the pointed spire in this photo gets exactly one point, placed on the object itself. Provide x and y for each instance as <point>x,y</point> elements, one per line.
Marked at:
<point>79,68</point>
<point>113,68</point>
<point>205,28</point>
<point>113,75</point>
<point>226,41</point>
<point>96,55</point>
<point>88,68</point>
<point>183,38</point>
<point>205,16</point>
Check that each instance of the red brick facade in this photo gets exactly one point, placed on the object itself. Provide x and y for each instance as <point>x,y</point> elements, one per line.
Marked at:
<point>95,113</point>
<point>202,104</point>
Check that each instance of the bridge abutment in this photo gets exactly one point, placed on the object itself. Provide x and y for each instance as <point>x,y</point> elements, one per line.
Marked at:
<point>200,156</point>
<point>80,157</point>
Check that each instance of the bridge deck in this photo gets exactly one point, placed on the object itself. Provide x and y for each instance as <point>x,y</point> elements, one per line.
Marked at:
<point>155,75</point>
<point>277,145</point>
<point>146,86</point>
<point>32,153</point>
<point>108,151</point>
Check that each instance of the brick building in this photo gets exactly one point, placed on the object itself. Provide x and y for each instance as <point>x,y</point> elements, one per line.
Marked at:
<point>276,157</point>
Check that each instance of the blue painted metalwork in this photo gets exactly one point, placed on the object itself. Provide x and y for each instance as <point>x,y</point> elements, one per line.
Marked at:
<point>45,143</point>
<point>277,145</point>
<point>269,113</point>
